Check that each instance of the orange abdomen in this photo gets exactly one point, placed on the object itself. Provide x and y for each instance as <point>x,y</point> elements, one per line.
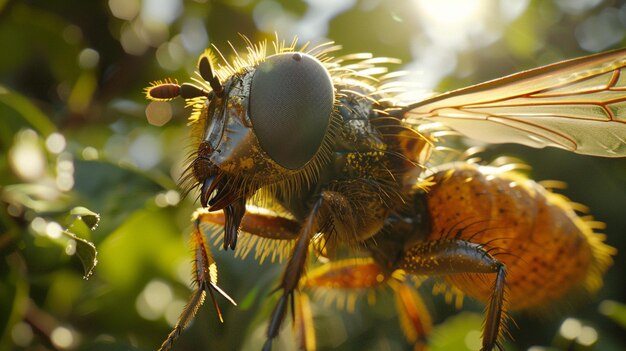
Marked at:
<point>550,253</point>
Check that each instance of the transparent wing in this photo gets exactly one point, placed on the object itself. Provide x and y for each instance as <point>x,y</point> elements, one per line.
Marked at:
<point>578,105</point>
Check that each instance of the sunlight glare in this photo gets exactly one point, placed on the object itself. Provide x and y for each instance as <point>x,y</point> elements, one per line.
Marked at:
<point>26,156</point>
<point>450,27</point>
<point>457,13</point>
<point>456,24</point>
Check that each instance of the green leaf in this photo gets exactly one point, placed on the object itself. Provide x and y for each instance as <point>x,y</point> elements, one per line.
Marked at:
<point>86,252</point>
<point>614,310</point>
<point>41,198</point>
<point>90,218</point>
<point>28,112</point>
<point>83,221</point>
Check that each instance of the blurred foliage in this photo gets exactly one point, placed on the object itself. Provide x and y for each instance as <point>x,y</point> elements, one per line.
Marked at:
<point>75,143</point>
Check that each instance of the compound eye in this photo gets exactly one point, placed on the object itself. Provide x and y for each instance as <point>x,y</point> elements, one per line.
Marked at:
<point>291,101</point>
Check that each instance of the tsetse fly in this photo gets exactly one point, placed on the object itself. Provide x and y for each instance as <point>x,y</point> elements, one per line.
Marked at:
<point>310,158</point>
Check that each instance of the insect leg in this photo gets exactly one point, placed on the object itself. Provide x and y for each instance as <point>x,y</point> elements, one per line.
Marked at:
<point>365,274</point>
<point>445,257</point>
<point>414,318</point>
<point>293,272</point>
<point>303,324</point>
<point>205,279</point>
<point>259,224</point>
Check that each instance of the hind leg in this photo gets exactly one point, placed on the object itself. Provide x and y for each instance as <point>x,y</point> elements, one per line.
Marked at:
<point>452,256</point>
<point>349,276</point>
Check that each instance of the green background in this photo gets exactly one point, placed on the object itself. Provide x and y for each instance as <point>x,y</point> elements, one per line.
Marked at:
<point>76,70</point>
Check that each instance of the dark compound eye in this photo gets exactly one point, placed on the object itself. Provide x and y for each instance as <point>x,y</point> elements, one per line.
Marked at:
<point>291,101</point>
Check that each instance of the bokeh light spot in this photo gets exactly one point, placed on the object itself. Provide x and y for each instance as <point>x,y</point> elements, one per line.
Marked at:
<point>170,56</point>
<point>88,58</point>
<point>575,7</point>
<point>570,328</point>
<point>154,299</point>
<point>55,143</point>
<point>124,9</point>
<point>65,172</point>
<point>70,248</point>
<point>172,197</point>
<point>62,337</point>
<point>158,294</point>
<point>38,225</point>
<point>72,34</point>
<point>26,157</point>
<point>168,198</point>
<point>54,230</point>
<point>161,11</point>
<point>158,113</point>
<point>160,201</point>
<point>182,272</point>
<point>22,334</point>
<point>510,10</point>
<point>588,336</point>
<point>600,32</point>
<point>133,40</point>
<point>90,153</point>
<point>172,312</point>
<point>145,151</point>
<point>450,27</point>
<point>193,35</point>
<point>452,12</point>
<point>65,182</point>
<point>473,340</point>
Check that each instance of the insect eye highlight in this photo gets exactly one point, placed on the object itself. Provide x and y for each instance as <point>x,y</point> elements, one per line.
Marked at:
<point>291,101</point>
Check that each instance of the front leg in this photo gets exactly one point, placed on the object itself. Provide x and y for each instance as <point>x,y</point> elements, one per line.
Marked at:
<point>293,272</point>
<point>205,279</point>
<point>331,214</point>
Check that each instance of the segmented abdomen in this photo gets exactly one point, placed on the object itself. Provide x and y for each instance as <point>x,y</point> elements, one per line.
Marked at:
<point>550,252</point>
